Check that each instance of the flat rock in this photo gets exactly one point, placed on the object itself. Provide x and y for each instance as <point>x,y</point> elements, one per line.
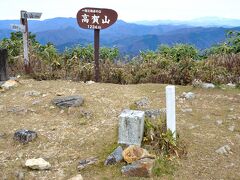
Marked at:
<point>231,85</point>
<point>140,168</point>
<point>225,150</point>
<point>38,164</point>
<point>18,110</point>
<point>188,95</point>
<point>32,93</point>
<point>24,136</point>
<point>90,82</point>
<point>207,85</point>
<point>69,101</point>
<point>77,177</point>
<point>134,153</point>
<point>86,162</point>
<point>10,84</point>
<point>115,156</point>
<point>186,110</point>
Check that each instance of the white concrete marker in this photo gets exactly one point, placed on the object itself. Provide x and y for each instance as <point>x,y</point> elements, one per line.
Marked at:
<point>171,109</point>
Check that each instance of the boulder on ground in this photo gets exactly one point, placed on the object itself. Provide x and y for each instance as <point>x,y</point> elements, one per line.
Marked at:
<point>134,153</point>
<point>115,156</point>
<point>140,168</point>
<point>69,101</point>
<point>24,136</point>
<point>38,164</point>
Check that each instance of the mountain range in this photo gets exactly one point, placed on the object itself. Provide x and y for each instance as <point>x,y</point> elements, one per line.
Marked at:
<point>130,38</point>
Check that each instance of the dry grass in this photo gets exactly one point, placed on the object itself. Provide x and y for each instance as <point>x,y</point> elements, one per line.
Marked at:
<point>66,137</point>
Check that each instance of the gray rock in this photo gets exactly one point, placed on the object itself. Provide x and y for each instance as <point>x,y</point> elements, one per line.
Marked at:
<point>69,101</point>
<point>224,150</point>
<point>115,156</point>
<point>231,85</point>
<point>38,164</point>
<point>24,136</point>
<point>155,113</point>
<point>10,84</point>
<point>140,168</point>
<point>131,127</point>
<point>219,122</point>
<point>32,93</point>
<point>86,162</point>
<point>207,85</point>
<point>142,102</point>
<point>231,128</point>
<point>18,109</point>
<point>188,95</point>
<point>187,110</point>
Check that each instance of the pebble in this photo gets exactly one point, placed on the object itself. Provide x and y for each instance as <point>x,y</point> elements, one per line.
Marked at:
<point>224,150</point>
<point>32,93</point>
<point>231,128</point>
<point>219,122</point>
<point>188,95</point>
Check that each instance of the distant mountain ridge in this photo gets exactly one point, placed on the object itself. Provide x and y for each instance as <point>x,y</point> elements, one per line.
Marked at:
<point>130,38</point>
<point>202,22</point>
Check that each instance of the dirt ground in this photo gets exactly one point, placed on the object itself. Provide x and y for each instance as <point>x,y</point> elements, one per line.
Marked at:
<point>67,136</point>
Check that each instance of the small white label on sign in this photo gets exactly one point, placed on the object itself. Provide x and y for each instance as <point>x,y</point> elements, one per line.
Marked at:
<point>17,27</point>
<point>31,15</point>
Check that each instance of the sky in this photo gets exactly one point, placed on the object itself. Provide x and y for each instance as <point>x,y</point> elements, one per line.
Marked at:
<point>128,10</point>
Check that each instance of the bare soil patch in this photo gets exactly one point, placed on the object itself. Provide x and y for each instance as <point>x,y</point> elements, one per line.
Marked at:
<point>66,136</point>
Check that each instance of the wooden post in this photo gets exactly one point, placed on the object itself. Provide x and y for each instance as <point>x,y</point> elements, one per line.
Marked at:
<point>24,22</point>
<point>171,109</point>
<point>3,64</point>
<point>96,54</point>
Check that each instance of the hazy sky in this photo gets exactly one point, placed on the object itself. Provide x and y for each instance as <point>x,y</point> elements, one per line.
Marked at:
<point>128,10</point>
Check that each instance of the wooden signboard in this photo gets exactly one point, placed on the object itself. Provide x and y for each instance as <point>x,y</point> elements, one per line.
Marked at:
<point>24,23</point>
<point>96,19</point>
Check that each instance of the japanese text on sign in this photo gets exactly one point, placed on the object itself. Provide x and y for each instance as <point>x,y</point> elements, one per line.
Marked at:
<point>95,18</point>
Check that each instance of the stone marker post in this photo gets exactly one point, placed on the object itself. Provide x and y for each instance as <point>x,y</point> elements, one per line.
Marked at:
<point>131,127</point>
<point>171,109</point>
<point>3,64</point>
